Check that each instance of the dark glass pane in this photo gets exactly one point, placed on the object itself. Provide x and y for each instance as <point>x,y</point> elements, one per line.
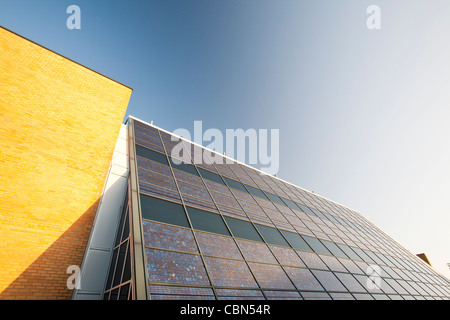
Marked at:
<point>114,294</point>
<point>185,167</point>
<point>349,252</point>
<point>151,155</point>
<point>111,269</point>
<point>210,176</point>
<point>163,211</point>
<point>124,292</point>
<point>243,229</point>
<point>127,269</point>
<point>316,245</point>
<point>120,264</point>
<point>274,198</point>
<point>126,229</point>
<point>256,192</point>
<point>362,255</point>
<point>296,241</point>
<point>122,218</point>
<point>271,235</point>
<point>304,208</point>
<point>291,204</point>
<point>207,221</point>
<point>234,184</point>
<point>334,249</point>
<point>319,213</point>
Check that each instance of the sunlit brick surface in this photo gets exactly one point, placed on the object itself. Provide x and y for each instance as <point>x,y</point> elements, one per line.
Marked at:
<point>59,125</point>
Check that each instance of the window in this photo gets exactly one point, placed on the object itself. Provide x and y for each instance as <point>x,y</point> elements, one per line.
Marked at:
<point>185,167</point>
<point>210,176</point>
<point>363,255</point>
<point>274,198</point>
<point>349,252</point>
<point>296,241</point>
<point>334,249</point>
<point>151,155</point>
<point>234,184</point>
<point>317,246</point>
<point>304,208</point>
<point>271,235</point>
<point>291,204</point>
<point>319,213</point>
<point>163,211</point>
<point>256,192</point>
<point>243,229</point>
<point>207,221</point>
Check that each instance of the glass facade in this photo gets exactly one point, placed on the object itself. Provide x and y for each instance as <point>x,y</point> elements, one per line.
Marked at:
<point>226,231</point>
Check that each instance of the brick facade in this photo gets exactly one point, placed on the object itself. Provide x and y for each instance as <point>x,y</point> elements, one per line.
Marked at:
<point>59,125</point>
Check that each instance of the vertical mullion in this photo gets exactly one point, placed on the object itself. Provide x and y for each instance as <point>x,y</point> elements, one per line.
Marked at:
<point>187,216</point>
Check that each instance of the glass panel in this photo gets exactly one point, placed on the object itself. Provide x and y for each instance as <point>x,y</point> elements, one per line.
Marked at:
<point>258,252</point>
<point>334,249</point>
<point>163,211</point>
<point>242,229</point>
<point>271,235</point>
<point>229,273</point>
<point>185,167</point>
<point>234,184</point>
<point>271,276</point>
<point>207,221</point>
<point>210,176</point>
<point>124,292</point>
<point>348,251</point>
<point>291,204</point>
<point>329,280</point>
<point>304,208</point>
<point>350,282</point>
<point>219,246</point>
<point>287,256</point>
<point>168,237</point>
<point>303,279</point>
<point>174,267</point>
<point>256,192</point>
<point>274,198</point>
<point>183,293</point>
<point>296,241</point>
<point>152,155</point>
<point>316,245</point>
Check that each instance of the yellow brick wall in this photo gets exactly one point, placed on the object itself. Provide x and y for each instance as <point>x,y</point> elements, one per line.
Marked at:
<point>59,122</point>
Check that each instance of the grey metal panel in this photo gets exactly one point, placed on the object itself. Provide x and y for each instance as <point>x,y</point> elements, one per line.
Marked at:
<point>94,270</point>
<point>97,257</point>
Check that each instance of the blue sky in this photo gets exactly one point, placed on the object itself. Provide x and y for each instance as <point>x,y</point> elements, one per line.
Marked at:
<point>363,114</point>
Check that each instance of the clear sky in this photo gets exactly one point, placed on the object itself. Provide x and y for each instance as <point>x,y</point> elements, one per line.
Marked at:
<point>364,115</point>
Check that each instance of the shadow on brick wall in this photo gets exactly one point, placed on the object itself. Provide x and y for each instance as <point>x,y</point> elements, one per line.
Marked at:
<point>46,277</point>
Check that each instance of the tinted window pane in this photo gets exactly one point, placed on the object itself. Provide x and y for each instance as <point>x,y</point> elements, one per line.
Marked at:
<point>185,167</point>
<point>349,252</point>
<point>163,211</point>
<point>274,198</point>
<point>296,241</point>
<point>151,155</point>
<point>291,204</point>
<point>362,255</point>
<point>271,235</point>
<point>243,229</point>
<point>234,184</point>
<point>256,192</point>
<point>316,245</point>
<point>304,208</point>
<point>334,249</point>
<point>210,176</point>
<point>319,213</point>
<point>207,221</point>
